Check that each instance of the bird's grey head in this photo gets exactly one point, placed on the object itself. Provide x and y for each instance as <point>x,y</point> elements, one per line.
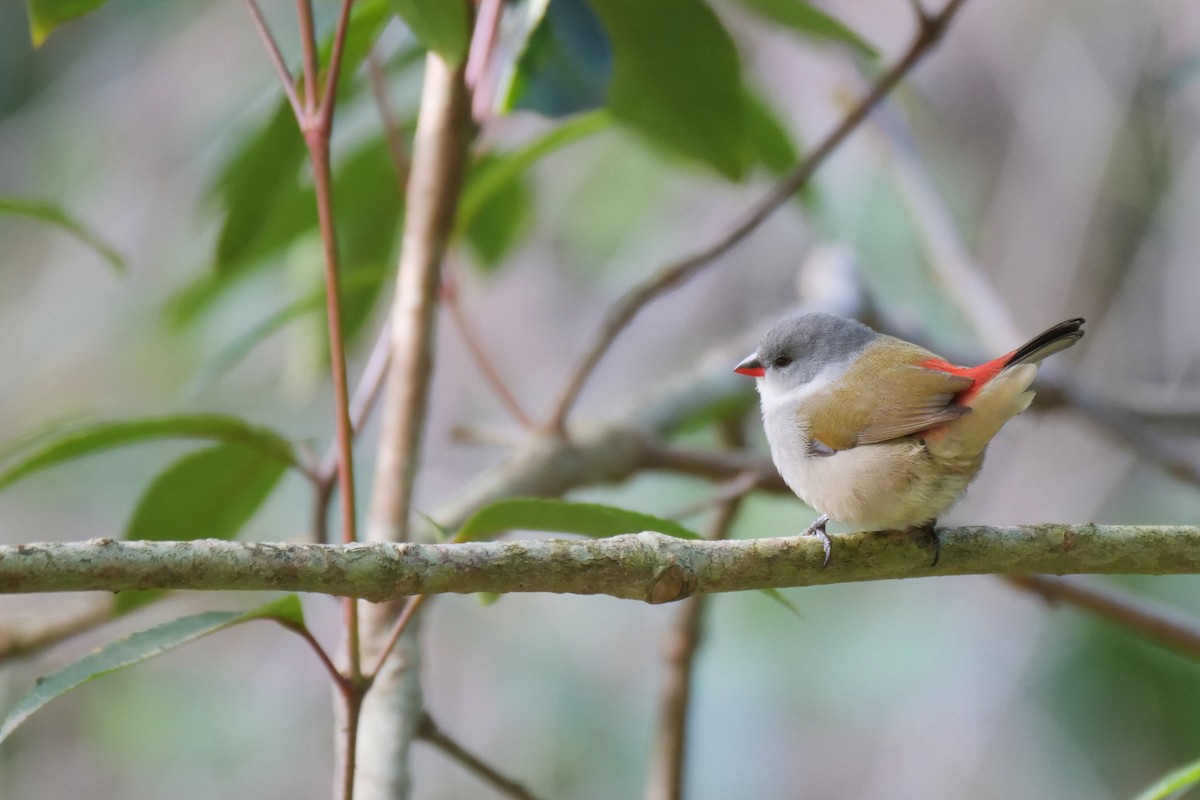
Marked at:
<point>800,347</point>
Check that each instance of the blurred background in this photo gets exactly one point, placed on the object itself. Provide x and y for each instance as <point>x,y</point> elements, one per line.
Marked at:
<point>1043,163</point>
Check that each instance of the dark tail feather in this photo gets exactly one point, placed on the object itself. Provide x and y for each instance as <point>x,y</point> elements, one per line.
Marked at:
<point>1060,337</point>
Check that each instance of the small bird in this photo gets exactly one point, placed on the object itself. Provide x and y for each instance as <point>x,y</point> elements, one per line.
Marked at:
<point>879,433</point>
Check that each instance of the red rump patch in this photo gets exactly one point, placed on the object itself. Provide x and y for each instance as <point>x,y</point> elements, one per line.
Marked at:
<point>981,374</point>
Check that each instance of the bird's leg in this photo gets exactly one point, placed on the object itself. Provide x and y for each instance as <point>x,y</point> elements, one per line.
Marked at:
<point>818,529</point>
<point>931,532</point>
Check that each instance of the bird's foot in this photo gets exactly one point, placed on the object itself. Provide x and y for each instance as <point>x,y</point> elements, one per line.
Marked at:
<point>818,529</point>
<point>931,533</point>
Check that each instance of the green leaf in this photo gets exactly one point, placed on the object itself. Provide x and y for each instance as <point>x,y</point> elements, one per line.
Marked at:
<point>250,188</point>
<point>46,15</point>
<point>74,442</point>
<point>777,596</point>
<point>55,215</point>
<point>563,66</point>
<point>233,353</point>
<point>209,494</point>
<point>811,21</point>
<point>562,516</point>
<point>769,141</point>
<point>140,647</point>
<point>497,200</point>
<point>491,176</point>
<point>440,25</point>
<point>677,79</point>
<point>1173,783</point>
<point>498,224</point>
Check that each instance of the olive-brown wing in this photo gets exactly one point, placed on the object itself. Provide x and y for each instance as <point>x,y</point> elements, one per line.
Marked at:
<point>903,398</point>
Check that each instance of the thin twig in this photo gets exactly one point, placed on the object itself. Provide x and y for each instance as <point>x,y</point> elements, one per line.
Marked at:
<point>431,733</point>
<point>1158,623</point>
<point>352,699</point>
<point>405,617</point>
<point>25,639</point>
<point>366,395</point>
<point>738,487</point>
<point>308,42</point>
<point>323,183</point>
<point>322,655</point>
<point>665,780</point>
<point>285,75</point>
<point>334,70</point>
<point>714,465</point>
<point>481,83</point>
<point>452,301</point>
<point>392,134</point>
<point>671,275</point>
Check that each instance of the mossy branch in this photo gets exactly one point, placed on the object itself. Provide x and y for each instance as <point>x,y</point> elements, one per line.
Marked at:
<point>644,566</point>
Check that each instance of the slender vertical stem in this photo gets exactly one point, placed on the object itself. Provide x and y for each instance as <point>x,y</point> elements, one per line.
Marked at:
<point>439,156</point>
<point>665,780</point>
<point>318,148</point>
<point>392,708</point>
<point>308,43</point>
<point>352,700</point>
<point>329,96</point>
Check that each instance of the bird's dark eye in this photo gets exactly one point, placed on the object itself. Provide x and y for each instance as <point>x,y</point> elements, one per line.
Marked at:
<point>781,361</point>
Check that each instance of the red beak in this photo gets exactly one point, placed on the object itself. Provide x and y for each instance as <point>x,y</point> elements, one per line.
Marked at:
<point>751,366</point>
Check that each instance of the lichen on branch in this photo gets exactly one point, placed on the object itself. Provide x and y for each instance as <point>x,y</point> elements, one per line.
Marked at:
<point>645,566</point>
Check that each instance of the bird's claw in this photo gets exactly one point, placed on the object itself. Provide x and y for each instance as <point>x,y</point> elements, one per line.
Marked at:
<point>818,529</point>
<point>931,532</point>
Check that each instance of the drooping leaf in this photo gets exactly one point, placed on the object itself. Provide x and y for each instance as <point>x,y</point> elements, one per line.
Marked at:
<point>562,516</point>
<point>491,176</point>
<point>209,494</point>
<point>1173,783</point>
<point>250,188</point>
<point>499,224</point>
<point>140,647</point>
<point>565,64</point>
<point>75,442</point>
<point>809,20</point>
<point>769,141</point>
<point>496,200</point>
<point>440,25</point>
<point>778,597</point>
<point>46,15</point>
<point>55,215</point>
<point>233,353</point>
<point>677,79</point>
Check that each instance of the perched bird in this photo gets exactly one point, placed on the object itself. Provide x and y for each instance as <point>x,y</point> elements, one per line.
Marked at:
<point>879,433</point>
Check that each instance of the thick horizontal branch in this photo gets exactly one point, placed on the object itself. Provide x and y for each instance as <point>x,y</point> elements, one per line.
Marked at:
<point>643,566</point>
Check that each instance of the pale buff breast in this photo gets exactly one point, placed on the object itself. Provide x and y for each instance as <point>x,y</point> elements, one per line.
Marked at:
<point>895,484</point>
